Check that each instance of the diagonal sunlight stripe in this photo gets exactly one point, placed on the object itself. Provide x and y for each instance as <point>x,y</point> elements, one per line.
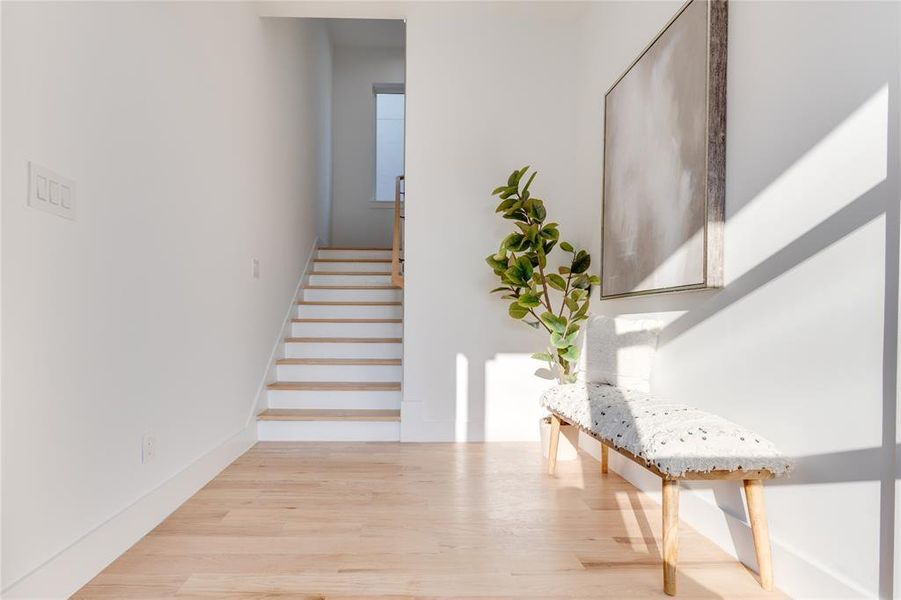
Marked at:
<point>850,160</point>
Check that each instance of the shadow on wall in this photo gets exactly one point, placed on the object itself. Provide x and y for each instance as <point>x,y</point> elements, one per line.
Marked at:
<point>849,171</point>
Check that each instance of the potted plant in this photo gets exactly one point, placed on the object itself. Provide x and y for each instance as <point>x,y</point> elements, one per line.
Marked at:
<point>531,286</point>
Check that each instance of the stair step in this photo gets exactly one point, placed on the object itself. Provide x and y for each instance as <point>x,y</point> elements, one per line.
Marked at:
<point>292,371</point>
<point>337,320</point>
<point>342,340</point>
<point>360,399</point>
<point>344,311</point>
<point>340,361</point>
<point>351,293</point>
<point>359,329</point>
<point>327,414</point>
<point>352,273</point>
<point>352,248</point>
<point>350,266</point>
<point>343,348</point>
<point>375,286</point>
<point>336,386</point>
<point>331,303</point>
<point>328,431</point>
<point>352,254</point>
<point>350,279</point>
<point>355,260</point>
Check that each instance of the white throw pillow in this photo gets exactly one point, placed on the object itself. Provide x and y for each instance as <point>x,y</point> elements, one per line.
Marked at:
<point>620,352</point>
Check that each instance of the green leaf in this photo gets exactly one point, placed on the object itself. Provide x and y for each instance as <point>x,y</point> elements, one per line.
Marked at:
<point>498,190</point>
<point>581,262</point>
<point>529,301</point>
<point>581,282</point>
<point>496,264</point>
<point>582,312</point>
<point>525,266</point>
<point>499,289</point>
<point>571,304</point>
<point>543,356</point>
<point>563,270</point>
<point>529,182</point>
<point>532,324</point>
<point>559,340</point>
<point>505,205</point>
<point>594,280</point>
<point>556,282</point>
<point>512,242</point>
<point>516,311</point>
<point>570,354</point>
<point>554,323</point>
<point>566,246</point>
<point>542,258</point>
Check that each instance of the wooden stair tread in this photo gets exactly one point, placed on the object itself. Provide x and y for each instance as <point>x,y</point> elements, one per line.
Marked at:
<point>333,303</point>
<point>359,362</point>
<point>342,340</point>
<point>352,273</point>
<point>353,260</point>
<point>325,414</point>
<point>350,287</point>
<point>339,320</point>
<point>349,248</point>
<point>337,386</point>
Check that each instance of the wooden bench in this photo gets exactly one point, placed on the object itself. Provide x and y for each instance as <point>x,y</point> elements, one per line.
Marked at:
<point>625,421</point>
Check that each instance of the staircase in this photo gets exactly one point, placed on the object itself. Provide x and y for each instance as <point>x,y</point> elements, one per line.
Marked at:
<point>340,376</point>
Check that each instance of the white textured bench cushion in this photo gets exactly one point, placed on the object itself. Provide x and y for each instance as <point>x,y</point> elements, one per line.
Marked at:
<point>673,437</point>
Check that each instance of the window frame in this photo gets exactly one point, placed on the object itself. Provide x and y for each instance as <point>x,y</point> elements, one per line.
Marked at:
<point>377,89</point>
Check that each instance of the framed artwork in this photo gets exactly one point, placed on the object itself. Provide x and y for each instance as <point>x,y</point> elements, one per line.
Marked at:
<point>665,160</point>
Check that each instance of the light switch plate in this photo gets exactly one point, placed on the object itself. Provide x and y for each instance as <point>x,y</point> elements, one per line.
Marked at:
<point>255,268</point>
<point>50,192</point>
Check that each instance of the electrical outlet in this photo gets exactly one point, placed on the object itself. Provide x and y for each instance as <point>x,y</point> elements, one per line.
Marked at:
<point>255,268</point>
<point>148,448</point>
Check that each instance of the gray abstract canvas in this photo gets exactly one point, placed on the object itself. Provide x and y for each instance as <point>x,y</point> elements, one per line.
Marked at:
<point>656,164</point>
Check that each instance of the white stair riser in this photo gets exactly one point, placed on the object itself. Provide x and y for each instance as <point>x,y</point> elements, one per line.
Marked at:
<point>374,279</point>
<point>392,330</point>
<point>337,311</point>
<point>354,267</point>
<point>358,400</point>
<point>339,372</point>
<point>352,254</point>
<point>377,295</point>
<point>328,431</point>
<point>343,350</point>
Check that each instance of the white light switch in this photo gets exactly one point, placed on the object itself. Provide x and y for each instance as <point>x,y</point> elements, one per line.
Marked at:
<point>255,268</point>
<point>50,192</point>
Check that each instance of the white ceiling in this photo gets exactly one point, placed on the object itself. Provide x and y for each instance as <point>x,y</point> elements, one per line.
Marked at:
<point>372,33</point>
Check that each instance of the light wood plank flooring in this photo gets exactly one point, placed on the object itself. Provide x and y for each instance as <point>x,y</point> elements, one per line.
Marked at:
<point>384,520</point>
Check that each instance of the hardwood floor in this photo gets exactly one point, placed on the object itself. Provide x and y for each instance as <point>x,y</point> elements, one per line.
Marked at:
<point>385,520</point>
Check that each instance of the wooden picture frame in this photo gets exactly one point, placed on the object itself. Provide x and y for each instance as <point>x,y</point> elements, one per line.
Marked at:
<point>659,233</point>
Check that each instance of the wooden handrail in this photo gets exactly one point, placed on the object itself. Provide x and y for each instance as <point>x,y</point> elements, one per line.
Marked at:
<point>397,277</point>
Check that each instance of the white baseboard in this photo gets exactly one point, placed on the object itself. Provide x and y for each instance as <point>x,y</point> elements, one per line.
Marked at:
<point>278,346</point>
<point>797,575</point>
<point>63,574</point>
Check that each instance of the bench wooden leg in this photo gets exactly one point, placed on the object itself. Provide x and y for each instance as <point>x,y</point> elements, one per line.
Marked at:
<point>605,453</point>
<point>670,534</point>
<point>552,445</point>
<point>760,531</point>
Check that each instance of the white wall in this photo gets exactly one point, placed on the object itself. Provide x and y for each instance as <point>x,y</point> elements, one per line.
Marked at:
<point>801,343</point>
<point>355,222</point>
<point>490,87</point>
<point>197,134</point>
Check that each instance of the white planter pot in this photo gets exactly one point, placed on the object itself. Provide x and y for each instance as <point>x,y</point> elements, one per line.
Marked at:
<point>568,448</point>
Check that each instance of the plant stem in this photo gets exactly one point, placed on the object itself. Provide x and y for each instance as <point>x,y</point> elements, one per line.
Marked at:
<point>566,292</point>
<point>547,297</point>
<point>540,321</point>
